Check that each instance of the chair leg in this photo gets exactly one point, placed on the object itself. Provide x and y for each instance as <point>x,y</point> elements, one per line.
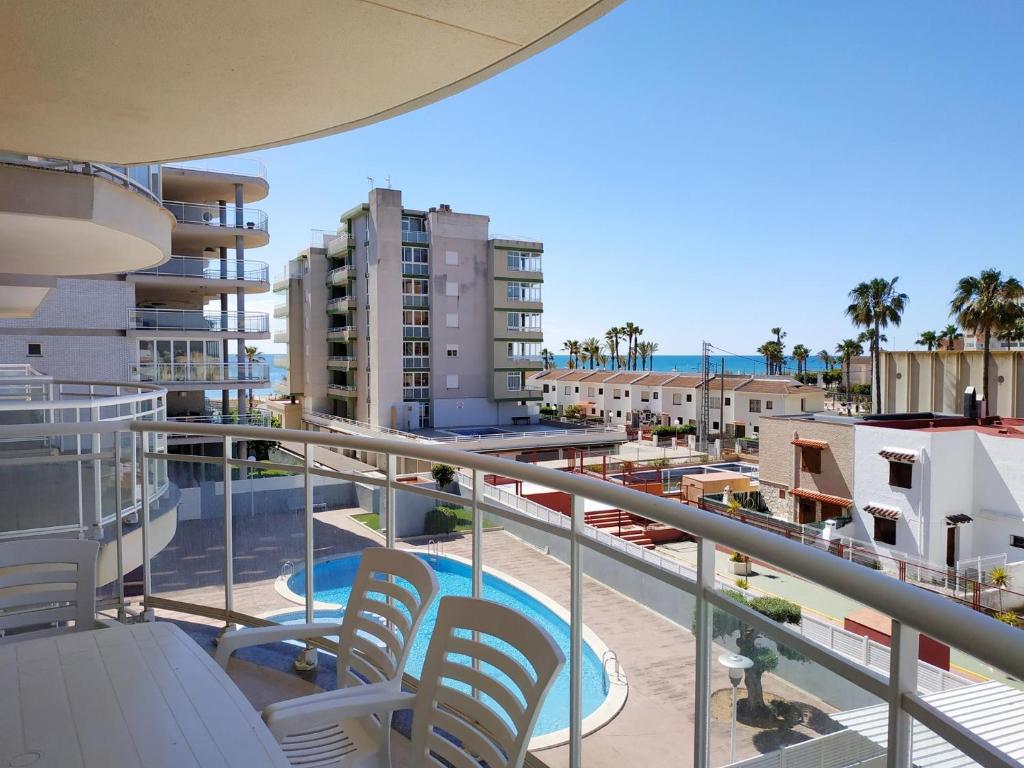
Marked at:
<point>385,747</point>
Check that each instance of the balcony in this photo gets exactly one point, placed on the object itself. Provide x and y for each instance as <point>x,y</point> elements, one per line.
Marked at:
<point>186,375</point>
<point>227,324</point>
<point>281,310</point>
<point>342,390</point>
<point>415,269</point>
<point>341,333</point>
<point>338,244</point>
<point>415,301</point>
<point>415,393</point>
<point>192,271</point>
<point>527,361</point>
<point>216,179</point>
<point>201,225</point>
<point>341,305</point>
<point>341,275</point>
<point>415,362</point>
<point>415,238</point>
<point>341,362</point>
<point>416,331</point>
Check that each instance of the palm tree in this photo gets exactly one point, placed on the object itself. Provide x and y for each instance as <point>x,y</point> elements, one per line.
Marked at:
<point>573,348</point>
<point>875,305</point>
<point>800,354</point>
<point>987,304</point>
<point>652,348</point>
<point>629,331</point>
<point>826,358</point>
<point>846,350</point>
<point>252,356</point>
<point>779,335</point>
<point>547,358</point>
<point>948,336</point>
<point>766,351</point>
<point>928,339</point>
<point>868,337</point>
<point>645,350</point>
<point>591,350</point>
<point>611,337</point>
<point>637,333</point>
<point>999,578</point>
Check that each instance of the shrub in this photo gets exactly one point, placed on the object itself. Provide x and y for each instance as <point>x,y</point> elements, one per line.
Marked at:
<point>738,557</point>
<point>443,474</point>
<point>860,390</point>
<point>548,410</point>
<point>659,464</point>
<point>441,520</point>
<point>575,411</point>
<point>1009,617</point>
<point>742,583</point>
<point>786,711</point>
<point>777,609</point>
<point>674,430</point>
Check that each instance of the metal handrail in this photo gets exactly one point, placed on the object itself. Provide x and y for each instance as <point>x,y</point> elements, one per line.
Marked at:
<point>82,168</point>
<point>189,372</point>
<point>516,238</point>
<point>258,168</point>
<point>213,215</point>
<point>143,318</point>
<point>211,269</point>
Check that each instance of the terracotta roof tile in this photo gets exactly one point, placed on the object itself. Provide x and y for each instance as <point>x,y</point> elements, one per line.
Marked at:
<point>624,378</point>
<point>655,379</point>
<point>803,442</point>
<point>898,454</point>
<point>684,381</point>
<point>824,498</point>
<point>882,510</point>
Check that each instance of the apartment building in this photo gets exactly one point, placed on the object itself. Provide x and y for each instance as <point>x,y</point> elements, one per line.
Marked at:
<point>410,319</point>
<point>179,321</point>
<point>626,397</point>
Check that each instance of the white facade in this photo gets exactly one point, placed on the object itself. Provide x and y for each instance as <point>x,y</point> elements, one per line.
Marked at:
<point>956,471</point>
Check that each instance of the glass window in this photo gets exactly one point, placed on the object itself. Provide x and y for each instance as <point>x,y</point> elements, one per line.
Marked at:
<point>810,459</point>
<point>514,381</point>
<point>677,398</point>
<point>885,530</point>
<point>413,224</point>
<point>900,474</point>
<point>755,406</point>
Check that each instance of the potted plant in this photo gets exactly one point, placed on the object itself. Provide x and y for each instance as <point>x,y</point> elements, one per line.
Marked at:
<point>740,564</point>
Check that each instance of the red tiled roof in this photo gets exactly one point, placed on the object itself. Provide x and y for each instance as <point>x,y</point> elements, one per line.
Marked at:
<point>881,510</point>
<point>804,442</point>
<point>655,379</point>
<point>624,378</point>
<point>824,498</point>
<point>898,454</point>
<point>725,382</point>
<point>684,380</point>
<point>598,376</point>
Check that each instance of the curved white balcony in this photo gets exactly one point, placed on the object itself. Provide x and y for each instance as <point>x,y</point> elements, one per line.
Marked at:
<point>67,218</point>
<point>202,225</point>
<point>198,376</point>
<point>230,324</point>
<point>216,274</point>
<point>216,179</point>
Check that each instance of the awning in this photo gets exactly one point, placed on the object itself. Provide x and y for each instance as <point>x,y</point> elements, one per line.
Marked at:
<point>881,510</point>
<point>805,443</point>
<point>959,519</point>
<point>591,403</point>
<point>824,498</point>
<point>898,454</point>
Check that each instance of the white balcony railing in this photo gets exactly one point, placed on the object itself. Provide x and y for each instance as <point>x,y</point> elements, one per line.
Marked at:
<point>901,684</point>
<point>416,331</point>
<point>141,318</point>
<point>200,373</point>
<point>118,174</point>
<point>415,393</point>
<point>416,238</point>
<point>235,166</point>
<point>217,216</point>
<point>210,269</point>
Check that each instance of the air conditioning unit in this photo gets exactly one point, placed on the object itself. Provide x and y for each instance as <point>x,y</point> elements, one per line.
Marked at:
<point>207,217</point>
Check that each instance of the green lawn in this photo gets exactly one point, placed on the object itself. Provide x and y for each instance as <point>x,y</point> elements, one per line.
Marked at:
<point>464,516</point>
<point>372,519</point>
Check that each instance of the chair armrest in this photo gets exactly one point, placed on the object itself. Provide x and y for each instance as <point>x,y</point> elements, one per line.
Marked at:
<point>320,710</point>
<point>243,638</point>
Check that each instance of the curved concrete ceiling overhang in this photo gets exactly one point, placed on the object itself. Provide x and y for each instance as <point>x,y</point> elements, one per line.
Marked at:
<point>152,81</point>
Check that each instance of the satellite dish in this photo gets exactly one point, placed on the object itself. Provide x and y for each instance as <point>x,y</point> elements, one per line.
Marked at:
<point>459,404</point>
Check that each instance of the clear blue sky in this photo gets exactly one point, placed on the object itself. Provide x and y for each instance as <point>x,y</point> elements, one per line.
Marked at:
<point>711,169</point>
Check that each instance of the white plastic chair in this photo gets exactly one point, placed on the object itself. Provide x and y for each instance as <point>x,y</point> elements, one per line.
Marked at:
<point>375,636</point>
<point>512,680</point>
<point>44,585</point>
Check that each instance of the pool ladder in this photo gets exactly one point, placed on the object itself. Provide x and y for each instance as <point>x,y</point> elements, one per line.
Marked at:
<point>434,547</point>
<point>613,674</point>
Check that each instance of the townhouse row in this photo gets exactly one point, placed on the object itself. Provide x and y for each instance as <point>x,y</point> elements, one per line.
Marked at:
<point>639,397</point>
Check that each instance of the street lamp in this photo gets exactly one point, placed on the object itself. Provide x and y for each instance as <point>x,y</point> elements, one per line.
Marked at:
<point>736,665</point>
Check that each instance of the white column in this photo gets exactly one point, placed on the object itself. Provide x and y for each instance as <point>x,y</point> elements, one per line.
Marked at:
<point>702,632</point>
<point>903,664</point>
<point>229,549</point>
<point>575,636</point>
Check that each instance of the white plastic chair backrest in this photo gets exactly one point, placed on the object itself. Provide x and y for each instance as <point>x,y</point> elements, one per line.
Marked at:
<point>518,662</point>
<point>45,581</point>
<point>390,596</point>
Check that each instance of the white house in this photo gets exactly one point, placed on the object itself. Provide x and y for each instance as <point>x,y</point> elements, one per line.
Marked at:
<point>943,490</point>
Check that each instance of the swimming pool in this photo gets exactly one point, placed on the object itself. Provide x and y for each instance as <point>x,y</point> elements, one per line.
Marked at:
<point>656,475</point>
<point>474,431</point>
<point>601,698</point>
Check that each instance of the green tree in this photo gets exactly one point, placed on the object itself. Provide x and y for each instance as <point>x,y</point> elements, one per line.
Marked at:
<point>637,333</point>
<point>443,475</point>
<point>987,304</point>
<point>948,336</point>
<point>629,330</point>
<point>611,337</point>
<point>252,356</point>
<point>874,305</point>
<point>999,578</point>
<point>801,354</point>
<point>846,350</point>
<point>592,350</point>
<point>928,339</point>
<point>572,347</point>
<point>547,358</point>
<point>755,646</point>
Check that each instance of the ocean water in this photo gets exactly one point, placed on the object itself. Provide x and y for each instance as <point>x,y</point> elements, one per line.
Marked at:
<point>333,584</point>
<point>746,364</point>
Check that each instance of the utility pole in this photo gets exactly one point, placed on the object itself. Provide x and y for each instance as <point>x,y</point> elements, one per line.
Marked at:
<point>705,397</point>
<point>721,399</point>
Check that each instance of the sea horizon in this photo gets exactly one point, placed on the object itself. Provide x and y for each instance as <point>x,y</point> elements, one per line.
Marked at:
<point>742,364</point>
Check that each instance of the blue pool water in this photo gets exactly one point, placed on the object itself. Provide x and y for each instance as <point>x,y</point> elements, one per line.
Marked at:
<point>474,431</point>
<point>655,475</point>
<point>333,584</point>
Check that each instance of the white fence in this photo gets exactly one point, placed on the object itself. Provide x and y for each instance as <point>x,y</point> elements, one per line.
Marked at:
<point>844,749</point>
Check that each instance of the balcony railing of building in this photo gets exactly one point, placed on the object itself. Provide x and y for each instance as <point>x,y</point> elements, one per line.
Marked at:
<point>342,304</point>
<point>200,373</point>
<point>338,242</point>
<point>141,318</point>
<point>416,331</point>
<point>526,358</point>
<point>211,269</point>
<point>415,238</point>
<point>342,362</point>
<point>257,418</point>
<point>341,274</point>
<point>119,175</point>
<point>415,301</point>
<point>524,329</point>
<point>415,269</point>
<point>524,295</point>
<point>343,390</point>
<point>281,310</point>
<point>526,262</point>
<point>517,238</point>
<point>900,687</point>
<point>415,362</point>
<point>217,216</point>
<point>341,333</point>
<point>236,166</point>
<point>415,393</point>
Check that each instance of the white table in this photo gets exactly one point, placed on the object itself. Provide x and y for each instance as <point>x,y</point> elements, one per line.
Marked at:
<point>138,695</point>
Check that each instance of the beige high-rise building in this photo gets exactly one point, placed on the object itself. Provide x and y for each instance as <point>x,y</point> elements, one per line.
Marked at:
<point>410,319</point>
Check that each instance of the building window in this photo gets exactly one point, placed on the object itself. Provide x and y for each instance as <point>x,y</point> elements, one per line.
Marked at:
<point>451,381</point>
<point>617,394</point>
<point>451,320</point>
<point>885,530</point>
<point>600,390</point>
<point>577,390</point>
<point>645,397</point>
<point>803,405</point>
<point>618,414</point>
<point>590,391</point>
<point>35,349</point>
<point>546,390</point>
<point>810,460</point>
<point>715,402</point>
<point>755,406</point>
<point>523,321</point>
<point>523,261</point>
<point>514,381</point>
<point>451,288</point>
<point>627,393</point>
<point>714,425</point>
<point>655,395</point>
<point>568,389</point>
<point>452,350</point>
<point>767,405</point>
<point>415,261</point>
<point>756,429</point>
<point>522,291</point>
<point>677,398</point>
<point>451,258</point>
<point>728,401</point>
<point>689,398</point>
<point>414,224</point>
<point>1017,541</point>
<point>782,493</point>
<point>900,474</point>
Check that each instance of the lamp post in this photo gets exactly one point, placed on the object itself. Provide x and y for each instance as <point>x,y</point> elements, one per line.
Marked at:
<point>736,665</point>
